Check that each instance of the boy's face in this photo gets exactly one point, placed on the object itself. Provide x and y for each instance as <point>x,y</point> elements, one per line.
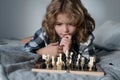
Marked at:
<point>63,26</point>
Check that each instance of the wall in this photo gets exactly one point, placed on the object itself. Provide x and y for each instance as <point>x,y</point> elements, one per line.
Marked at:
<point>21,18</point>
<point>103,10</point>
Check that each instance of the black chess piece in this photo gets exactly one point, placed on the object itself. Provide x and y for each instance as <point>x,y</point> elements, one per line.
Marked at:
<point>94,67</point>
<point>85,67</point>
<point>64,65</point>
<point>42,64</point>
<point>50,66</point>
<point>79,65</point>
<point>73,63</point>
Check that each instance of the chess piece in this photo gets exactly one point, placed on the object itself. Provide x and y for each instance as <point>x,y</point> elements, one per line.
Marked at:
<point>64,65</point>
<point>78,62</point>
<point>85,67</point>
<point>54,63</point>
<point>50,66</point>
<point>59,62</point>
<point>91,62</point>
<point>42,64</point>
<point>47,61</point>
<point>82,62</point>
<point>73,63</point>
<point>67,60</point>
<point>94,65</point>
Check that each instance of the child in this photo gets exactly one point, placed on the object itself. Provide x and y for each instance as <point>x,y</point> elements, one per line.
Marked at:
<point>67,25</point>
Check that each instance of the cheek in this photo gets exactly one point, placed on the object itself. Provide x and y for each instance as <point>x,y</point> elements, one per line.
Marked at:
<point>73,31</point>
<point>57,30</point>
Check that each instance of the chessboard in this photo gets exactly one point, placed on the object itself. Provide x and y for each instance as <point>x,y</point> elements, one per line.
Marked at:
<point>68,63</point>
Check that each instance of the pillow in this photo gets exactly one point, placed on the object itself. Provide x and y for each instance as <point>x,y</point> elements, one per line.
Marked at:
<point>108,36</point>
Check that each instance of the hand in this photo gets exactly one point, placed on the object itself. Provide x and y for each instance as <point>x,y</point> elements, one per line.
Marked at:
<point>53,49</point>
<point>66,42</point>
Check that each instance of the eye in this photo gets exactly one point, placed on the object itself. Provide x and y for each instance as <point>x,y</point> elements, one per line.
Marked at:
<point>70,24</point>
<point>59,24</point>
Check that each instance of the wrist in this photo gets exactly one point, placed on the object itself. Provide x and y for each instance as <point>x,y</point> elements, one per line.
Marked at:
<point>40,51</point>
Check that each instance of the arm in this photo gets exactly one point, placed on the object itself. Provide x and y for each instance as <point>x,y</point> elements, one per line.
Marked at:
<point>87,49</point>
<point>53,49</point>
<point>36,42</point>
<point>26,39</point>
<point>38,45</point>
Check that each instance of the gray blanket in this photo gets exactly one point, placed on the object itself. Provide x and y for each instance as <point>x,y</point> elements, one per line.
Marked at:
<point>16,64</point>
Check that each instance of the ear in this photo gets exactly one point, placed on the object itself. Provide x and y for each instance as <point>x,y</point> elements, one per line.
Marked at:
<point>26,39</point>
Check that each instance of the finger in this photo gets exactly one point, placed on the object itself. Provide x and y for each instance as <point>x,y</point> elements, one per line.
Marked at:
<point>54,44</point>
<point>65,40</point>
<point>68,36</point>
<point>60,51</point>
<point>62,44</point>
<point>62,40</point>
<point>60,47</point>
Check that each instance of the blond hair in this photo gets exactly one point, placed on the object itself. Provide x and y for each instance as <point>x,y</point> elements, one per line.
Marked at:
<point>78,15</point>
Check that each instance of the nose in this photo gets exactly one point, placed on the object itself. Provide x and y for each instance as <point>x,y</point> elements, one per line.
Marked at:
<point>65,28</point>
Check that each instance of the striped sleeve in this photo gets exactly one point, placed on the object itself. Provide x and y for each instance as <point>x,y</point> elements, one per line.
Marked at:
<point>37,42</point>
<point>87,48</point>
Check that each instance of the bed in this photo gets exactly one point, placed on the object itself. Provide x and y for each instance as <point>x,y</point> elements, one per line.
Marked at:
<point>16,64</point>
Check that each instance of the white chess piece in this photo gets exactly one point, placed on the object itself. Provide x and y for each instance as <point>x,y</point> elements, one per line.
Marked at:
<point>91,62</point>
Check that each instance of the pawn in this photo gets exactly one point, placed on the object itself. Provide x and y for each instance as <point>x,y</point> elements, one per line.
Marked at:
<point>53,63</point>
<point>79,66</point>
<point>91,63</point>
<point>50,66</point>
<point>64,65</point>
<point>47,60</point>
<point>70,60</point>
<point>59,62</point>
<point>82,62</point>
<point>85,67</point>
<point>42,64</point>
<point>78,62</point>
<point>63,61</point>
<point>94,67</point>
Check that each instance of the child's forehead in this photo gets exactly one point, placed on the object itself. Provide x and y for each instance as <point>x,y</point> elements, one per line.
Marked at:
<point>62,15</point>
<point>65,17</point>
<point>65,14</point>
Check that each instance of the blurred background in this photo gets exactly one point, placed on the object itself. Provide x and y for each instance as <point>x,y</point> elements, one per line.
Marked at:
<point>21,18</point>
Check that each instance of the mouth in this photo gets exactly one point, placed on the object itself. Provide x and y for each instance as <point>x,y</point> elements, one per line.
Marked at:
<point>62,35</point>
